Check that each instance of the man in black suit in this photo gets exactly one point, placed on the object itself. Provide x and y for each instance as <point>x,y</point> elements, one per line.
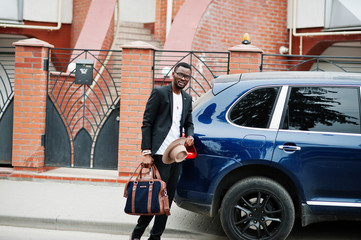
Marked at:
<point>167,116</point>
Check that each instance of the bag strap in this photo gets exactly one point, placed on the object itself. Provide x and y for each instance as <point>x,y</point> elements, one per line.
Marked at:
<point>150,195</point>
<point>136,172</point>
<point>166,205</point>
<point>133,196</point>
<point>131,177</point>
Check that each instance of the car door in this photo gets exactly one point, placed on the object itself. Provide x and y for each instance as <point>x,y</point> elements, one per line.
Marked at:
<point>251,137</point>
<point>319,145</point>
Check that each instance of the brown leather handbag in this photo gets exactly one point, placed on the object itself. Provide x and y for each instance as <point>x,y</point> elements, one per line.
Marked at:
<point>147,193</point>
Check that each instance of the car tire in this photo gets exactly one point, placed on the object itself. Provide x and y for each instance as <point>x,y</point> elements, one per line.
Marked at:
<point>257,208</point>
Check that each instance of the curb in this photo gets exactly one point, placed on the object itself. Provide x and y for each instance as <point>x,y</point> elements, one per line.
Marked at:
<point>67,224</point>
<point>107,227</point>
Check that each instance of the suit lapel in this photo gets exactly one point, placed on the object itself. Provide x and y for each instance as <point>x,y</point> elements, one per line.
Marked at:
<point>170,97</point>
<point>184,112</point>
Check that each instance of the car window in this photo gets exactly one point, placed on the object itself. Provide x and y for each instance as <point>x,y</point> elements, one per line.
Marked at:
<point>325,109</point>
<point>255,109</point>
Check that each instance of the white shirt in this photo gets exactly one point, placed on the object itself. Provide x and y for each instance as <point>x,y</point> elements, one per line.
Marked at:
<point>174,132</point>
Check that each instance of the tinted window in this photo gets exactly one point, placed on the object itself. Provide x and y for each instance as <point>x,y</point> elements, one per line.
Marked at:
<point>327,109</point>
<point>255,109</point>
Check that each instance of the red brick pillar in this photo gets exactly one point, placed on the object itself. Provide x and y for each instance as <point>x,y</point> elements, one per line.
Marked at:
<point>244,58</point>
<point>136,85</point>
<point>29,104</point>
<point>160,24</point>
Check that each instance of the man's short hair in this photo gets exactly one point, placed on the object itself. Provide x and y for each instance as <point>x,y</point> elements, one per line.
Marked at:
<point>183,64</point>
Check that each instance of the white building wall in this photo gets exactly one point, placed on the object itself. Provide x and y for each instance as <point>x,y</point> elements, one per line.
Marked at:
<point>47,10</point>
<point>309,13</point>
<point>142,11</point>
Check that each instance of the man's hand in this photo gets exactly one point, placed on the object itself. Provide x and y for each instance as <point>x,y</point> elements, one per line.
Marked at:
<point>189,141</point>
<point>148,160</point>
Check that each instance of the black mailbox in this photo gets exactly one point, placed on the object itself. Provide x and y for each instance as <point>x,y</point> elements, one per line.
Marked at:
<point>84,71</point>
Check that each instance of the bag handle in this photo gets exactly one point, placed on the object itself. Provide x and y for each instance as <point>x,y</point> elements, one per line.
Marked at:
<point>155,172</point>
<point>155,175</point>
<point>136,172</point>
<point>131,177</point>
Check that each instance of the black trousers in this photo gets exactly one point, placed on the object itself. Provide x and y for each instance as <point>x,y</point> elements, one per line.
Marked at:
<point>169,174</point>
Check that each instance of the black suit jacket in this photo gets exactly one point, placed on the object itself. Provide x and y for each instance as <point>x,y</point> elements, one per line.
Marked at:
<point>158,114</point>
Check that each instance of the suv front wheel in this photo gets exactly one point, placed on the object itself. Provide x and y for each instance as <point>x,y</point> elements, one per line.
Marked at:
<point>257,208</point>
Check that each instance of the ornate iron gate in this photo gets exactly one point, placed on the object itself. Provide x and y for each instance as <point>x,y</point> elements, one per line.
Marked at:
<point>82,121</point>
<point>205,67</point>
<point>7,57</point>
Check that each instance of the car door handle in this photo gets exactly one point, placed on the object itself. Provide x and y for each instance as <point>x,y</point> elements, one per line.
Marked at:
<point>289,148</point>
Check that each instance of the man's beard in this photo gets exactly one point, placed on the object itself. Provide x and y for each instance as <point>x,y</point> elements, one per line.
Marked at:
<point>179,87</point>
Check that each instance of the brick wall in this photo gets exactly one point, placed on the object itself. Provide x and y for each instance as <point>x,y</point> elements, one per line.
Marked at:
<point>80,11</point>
<point>109,37</point>
<point>177,4</point>
<point>160,20</point>
<point>136,85</point>
<point>29,104</point>
<point>244,59</point>
<point>59,38</point>
<point>160,25</point>
<point>225,22</point>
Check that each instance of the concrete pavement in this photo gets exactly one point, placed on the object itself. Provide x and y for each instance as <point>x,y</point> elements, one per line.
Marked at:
<point>97,207</point>
<point>77,206</point>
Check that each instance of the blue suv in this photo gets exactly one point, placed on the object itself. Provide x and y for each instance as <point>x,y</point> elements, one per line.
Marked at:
<point>274,147</point>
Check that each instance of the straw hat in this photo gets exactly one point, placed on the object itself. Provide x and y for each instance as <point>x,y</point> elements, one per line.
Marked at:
<point>175,152</point>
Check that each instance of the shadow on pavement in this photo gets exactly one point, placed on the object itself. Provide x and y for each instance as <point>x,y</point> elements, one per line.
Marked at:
<point>340,230</point>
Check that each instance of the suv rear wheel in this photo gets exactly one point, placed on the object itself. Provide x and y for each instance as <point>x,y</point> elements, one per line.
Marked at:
<point>257,208</point>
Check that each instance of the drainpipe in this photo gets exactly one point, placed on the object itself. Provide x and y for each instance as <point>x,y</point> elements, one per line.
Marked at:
<point>308,34</point>
<point>58,26</point>
<point>169,15</point>
<point>290,33</point>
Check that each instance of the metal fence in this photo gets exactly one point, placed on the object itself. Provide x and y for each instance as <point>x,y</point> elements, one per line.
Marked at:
<point>81,113</point>
<point>277,62</point>
<point>64,59</point>
<point>7,68</point>
<point>102,94</point>
<point>205,67</point>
